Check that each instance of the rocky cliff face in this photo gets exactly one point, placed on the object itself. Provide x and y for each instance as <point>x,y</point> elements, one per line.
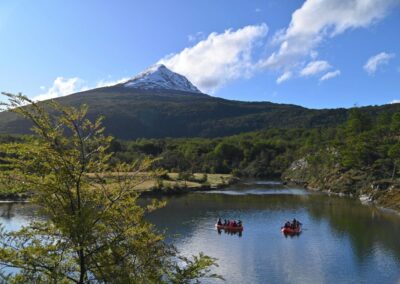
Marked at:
<point>359,183</point>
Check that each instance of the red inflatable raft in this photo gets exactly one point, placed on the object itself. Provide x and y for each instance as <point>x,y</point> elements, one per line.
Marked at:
<point>229,228</point>
<point>290,231</point>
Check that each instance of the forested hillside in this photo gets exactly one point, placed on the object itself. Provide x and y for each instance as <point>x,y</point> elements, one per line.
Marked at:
<point>131,114</point>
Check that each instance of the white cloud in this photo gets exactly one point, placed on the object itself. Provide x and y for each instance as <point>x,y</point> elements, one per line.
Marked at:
<point>314,67</point>
<point>66,86</point>
<point>317,20</point>
<point>106,83</point>
<point>395,102</point>
<point>313,54</point>
<point>218,59</point>
<point>330,75</point>
<point>196,37</point>
<point>257,10</point>
<point>61,87</point>
<point>377,60</point>
<point>285,76</point>
<point>224,57</point>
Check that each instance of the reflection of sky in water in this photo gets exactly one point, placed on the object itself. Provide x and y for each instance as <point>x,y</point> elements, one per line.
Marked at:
<point>326,252</point>
<point>14,215</point>
<point>342,241</point>
<point>290,191</point>
<point>264,255</point>
<point>262,182</point>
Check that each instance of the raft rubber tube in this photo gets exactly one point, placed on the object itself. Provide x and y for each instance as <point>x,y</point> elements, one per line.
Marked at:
<point>228,228</point>
<point>289,230</point>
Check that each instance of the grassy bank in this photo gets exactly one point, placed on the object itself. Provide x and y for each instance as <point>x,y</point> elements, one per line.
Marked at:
<point>175,183</point>
<point>169,183</point>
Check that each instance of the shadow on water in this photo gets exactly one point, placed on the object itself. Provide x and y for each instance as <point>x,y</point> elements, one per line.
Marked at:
<point>366,226</point>
<point>294,235</point>
<point>230,232</point>
<point>6,211</point>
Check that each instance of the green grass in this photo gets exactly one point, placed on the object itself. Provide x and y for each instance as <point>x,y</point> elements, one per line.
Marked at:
<point>172,181</point>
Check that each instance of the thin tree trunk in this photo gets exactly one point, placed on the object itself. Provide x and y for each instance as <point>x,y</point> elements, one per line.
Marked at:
<point>82,267</point>
<point>394,170</point>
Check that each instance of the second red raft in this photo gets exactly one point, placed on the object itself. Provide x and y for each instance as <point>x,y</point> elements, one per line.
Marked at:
<point>289,230</point>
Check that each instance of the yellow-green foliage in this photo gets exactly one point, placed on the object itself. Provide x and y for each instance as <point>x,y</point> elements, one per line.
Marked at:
<point>92,232</point>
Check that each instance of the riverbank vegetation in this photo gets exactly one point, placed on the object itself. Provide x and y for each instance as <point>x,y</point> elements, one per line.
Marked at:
<point>171,183</point>
<point>91,232</point>
<point>359,157</point>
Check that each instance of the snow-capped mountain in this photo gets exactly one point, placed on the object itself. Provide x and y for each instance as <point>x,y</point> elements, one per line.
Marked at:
<point>161,78</point>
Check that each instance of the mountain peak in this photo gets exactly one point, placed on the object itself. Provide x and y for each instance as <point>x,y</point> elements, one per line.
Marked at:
<point>160,77</point>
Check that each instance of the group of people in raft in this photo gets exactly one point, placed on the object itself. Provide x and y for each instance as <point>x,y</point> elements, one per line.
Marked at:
<point>229,223</point>
<point>294,225</point>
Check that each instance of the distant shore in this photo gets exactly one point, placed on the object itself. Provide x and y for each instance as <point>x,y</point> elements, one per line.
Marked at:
<point>385,199</point>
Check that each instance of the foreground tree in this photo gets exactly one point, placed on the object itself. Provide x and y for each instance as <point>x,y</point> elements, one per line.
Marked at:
<point>92,230</point>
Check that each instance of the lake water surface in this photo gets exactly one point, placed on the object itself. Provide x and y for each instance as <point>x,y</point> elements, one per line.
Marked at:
<point>342,241</point>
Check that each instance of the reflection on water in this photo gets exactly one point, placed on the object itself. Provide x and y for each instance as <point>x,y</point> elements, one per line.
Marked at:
<point>286,191</point>
<point>229,232</point>
<point>15,215</point>
<point>342,241</point>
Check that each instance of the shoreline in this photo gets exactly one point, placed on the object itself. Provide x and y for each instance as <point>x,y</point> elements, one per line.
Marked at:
<point>167,191</point>
<point>177,188</point>
<point>181,189</point>
<point>365,199</point>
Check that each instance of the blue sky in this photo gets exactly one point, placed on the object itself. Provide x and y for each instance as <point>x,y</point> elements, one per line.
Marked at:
<point>319,54</point>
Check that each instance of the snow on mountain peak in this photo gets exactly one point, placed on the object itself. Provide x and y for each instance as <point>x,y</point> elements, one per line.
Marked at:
<point>160,77</point>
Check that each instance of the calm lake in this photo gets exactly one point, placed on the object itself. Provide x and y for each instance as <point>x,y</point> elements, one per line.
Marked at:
<point>342,241</point>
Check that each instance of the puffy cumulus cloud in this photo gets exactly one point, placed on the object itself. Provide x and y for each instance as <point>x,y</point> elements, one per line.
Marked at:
<point>330,75</point>
<point>314,67</point>
<point>219,58</point>
<point>395,102</point>
<point>317,20</point>
<point>377,60</point>
<point>61,87</point>
<point>284,77</point>
<point>66,86</point>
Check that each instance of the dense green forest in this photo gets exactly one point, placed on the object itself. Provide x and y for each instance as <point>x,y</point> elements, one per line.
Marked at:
<point>363,142</point>
<point>360,156</point>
